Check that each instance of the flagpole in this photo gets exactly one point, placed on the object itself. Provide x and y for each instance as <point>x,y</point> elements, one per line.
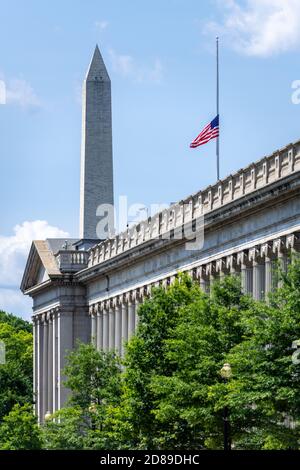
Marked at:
<point>217,142</point>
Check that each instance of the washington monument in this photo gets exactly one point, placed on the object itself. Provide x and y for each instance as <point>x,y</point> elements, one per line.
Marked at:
<point>96,183</point>
<point>90,289</point>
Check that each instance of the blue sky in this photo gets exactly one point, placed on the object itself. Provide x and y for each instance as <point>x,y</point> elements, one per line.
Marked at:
<point>160,57</point>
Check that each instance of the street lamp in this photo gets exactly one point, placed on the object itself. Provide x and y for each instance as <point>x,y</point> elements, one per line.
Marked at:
<point>93,411</point>
<point>226,371</point>
<point>93,408</point>
<point>226,374</point>
<point>48,416</point>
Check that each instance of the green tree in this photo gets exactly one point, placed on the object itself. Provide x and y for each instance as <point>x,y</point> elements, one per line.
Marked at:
<point>173,394</point>
<point>66,430</point>
<point>137,425</point>
<point>16,374</point>
<point>19,430</point>
<point>16,322</point>
<point>94,378</point>
<point>264,390</point>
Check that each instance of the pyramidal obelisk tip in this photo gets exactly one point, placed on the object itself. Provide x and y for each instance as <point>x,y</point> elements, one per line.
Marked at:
<point>97,69</point>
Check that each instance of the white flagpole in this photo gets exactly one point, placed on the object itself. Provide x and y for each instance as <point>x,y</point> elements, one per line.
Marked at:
<point>218,141</point>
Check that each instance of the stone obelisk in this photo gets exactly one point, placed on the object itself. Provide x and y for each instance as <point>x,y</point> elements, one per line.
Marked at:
<point>96,180</point>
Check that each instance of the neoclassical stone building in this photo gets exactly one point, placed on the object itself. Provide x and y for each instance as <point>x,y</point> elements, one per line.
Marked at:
<point>90,289</point>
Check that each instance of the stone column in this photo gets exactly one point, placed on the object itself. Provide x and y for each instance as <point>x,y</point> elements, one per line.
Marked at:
<point>40,361</point>
<point>266,255</point>
<point>124,325</point>
<point>35,363</point>
<point>137,304</point>
<point>105,328</point>
<point>201,275</point>
<point>99,328</point>
<point>55,360</point>
<point>231,264</point>
<point>280,251</point>
<point>111,327</point>
<point>191,273</point>
<point>210,274</point>
<point>45,367</point>
<point>118,326</point>
<point>246,272</point>
<point>50,363</point>
<point>268,276</point>
<point>94,326</point>
<point>221,268</point>
<point>131,317</point>
<point>258,274</point>
<point>292,244</point>
<point>65,343</point>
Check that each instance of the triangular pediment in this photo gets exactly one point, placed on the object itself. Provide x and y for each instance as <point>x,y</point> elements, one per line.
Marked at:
<point>41,265</point>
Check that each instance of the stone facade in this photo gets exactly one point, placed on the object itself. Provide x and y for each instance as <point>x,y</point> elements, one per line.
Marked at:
<point>90,290</point>
<point>96,184</point>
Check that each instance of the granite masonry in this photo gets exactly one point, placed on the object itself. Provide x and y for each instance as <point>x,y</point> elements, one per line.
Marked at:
<point>90,289</point>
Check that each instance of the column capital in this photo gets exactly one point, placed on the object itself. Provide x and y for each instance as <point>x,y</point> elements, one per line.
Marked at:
<point>97,308</point>
<point>278,246</point>
<point>91,310</point>
<point>135,295</point>
<point>49,316</point>
<point>292,241</point>
<point>210,269</point>
<point>231,262</point>
<point>266,250</point>
<point>201,272</point>
<point>242,258</point>
<point>44,317</point>
<point>220,265</point>
<point>147,290</point>
<point>254,254</point>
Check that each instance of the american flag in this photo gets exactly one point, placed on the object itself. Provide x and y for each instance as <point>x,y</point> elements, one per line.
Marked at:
<point>211,131</point>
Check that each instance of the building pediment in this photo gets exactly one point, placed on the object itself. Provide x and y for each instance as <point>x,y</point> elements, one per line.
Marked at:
<point>41,265</point>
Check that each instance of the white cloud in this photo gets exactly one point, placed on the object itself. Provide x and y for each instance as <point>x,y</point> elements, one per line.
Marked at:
<point>128,67</point>
<point>101,25</point>
<point>13,254</point>
<point>13,301</point>
<point>20,92</point>
<point>259,27</point>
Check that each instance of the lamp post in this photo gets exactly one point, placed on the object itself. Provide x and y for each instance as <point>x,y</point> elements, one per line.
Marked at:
<point>226,374</point>
<point>93,411</point>
<point>48,416</point>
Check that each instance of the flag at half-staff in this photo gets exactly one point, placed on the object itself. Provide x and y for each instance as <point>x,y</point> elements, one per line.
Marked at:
<point>211,131</point>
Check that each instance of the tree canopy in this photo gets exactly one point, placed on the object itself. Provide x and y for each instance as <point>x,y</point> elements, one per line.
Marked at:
<point>167,392</point>
<point>17,372</point>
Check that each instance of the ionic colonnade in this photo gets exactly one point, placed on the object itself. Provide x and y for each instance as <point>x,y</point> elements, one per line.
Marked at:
<point>114,319</point>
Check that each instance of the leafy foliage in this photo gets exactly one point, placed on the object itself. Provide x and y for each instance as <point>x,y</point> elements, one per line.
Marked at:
<point>169,393</point>
<point>19,430</point>
<point>16,373</point>
<point>173,394</point>
<point>94,378</point>
<point>16,322</point>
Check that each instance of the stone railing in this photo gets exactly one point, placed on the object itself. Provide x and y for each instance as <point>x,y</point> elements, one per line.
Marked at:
<point>268,170</point>
<point>71,260</point>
